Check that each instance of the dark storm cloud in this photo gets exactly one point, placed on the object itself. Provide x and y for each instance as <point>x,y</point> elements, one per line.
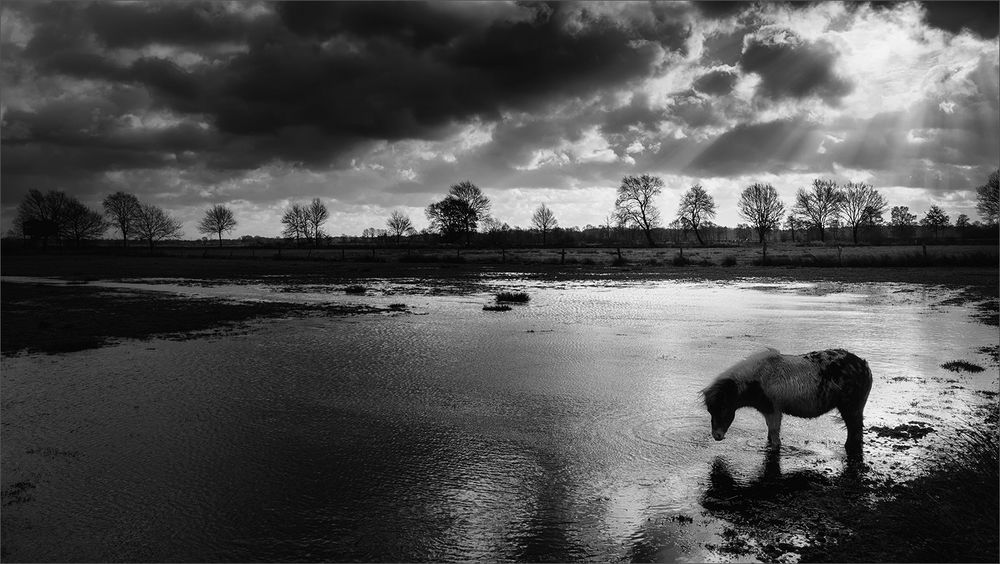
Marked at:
<point>136,25</point>
<point>775,146</point>
<point>637,113</point>
<point>792,68</point>
<point>313,80</point>
<point>717,82</point>
<point>413,23</point>
<point>720,8</point>
<point>982,18</point>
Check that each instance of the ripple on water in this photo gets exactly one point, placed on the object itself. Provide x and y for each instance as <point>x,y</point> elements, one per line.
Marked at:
<point>673,431</point>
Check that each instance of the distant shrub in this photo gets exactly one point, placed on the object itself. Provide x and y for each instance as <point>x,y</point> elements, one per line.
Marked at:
<point>729,260</point>
<point>515,297</point>
<point>680,260</point>
<point>588,262</point>
<point>397,307</point>
<point>619,261</point>
<point>354,289</point>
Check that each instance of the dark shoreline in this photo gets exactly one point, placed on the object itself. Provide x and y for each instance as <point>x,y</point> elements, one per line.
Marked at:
<point>85,267</point>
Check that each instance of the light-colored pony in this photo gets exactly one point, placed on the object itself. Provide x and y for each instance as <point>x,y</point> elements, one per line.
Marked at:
<point>807,385</point>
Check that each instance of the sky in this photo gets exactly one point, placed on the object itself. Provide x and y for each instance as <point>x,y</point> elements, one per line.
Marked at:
<point>375,107</point>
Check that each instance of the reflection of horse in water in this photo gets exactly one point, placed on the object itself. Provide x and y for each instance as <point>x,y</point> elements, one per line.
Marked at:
<point>806,385</point>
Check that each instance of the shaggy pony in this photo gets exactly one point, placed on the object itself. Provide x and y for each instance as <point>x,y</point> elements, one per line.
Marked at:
<point>807,385</point>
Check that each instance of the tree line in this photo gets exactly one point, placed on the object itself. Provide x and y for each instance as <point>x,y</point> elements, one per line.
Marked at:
<point>465,211</point>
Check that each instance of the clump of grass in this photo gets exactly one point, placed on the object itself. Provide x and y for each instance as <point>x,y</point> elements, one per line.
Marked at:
<point>619,261</point>
<point>397,307</point>
<point>681,260</point>
<point>499,307</point>
<point>515,297</point>
<point>355,289</point>
<point>962,366</point>
<point>729,260</point>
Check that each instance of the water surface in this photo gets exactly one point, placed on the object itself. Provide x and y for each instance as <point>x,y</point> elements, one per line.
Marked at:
<point>569,428</point>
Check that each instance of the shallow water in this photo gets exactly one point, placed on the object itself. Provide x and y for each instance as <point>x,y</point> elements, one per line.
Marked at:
<point>569,428</point>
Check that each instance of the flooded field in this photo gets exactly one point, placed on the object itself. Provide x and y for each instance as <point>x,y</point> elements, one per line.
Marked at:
<point>568,428</point>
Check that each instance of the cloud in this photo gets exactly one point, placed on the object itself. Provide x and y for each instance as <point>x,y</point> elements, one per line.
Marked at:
<point>774,146</point>
<point>982,18</point>
<point>790,67</point>
<point>717,82</point>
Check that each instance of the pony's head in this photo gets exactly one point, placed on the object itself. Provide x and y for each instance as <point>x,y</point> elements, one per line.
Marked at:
<point>720,399</point>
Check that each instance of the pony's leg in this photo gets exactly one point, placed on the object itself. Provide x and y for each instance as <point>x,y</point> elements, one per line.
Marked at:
<point>773,420</point>
<point>854,420</point>
<point>853,413</point>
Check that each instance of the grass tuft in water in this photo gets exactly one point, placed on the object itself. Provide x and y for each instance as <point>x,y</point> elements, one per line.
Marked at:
<point>501,307</point>
<point>514,297</point>
<point>962,366</point>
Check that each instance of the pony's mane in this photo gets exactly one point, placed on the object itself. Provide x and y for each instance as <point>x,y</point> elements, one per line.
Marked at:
<point>742,369</point>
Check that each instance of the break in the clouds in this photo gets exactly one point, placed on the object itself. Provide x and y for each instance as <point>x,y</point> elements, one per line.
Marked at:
<point>381,106</point>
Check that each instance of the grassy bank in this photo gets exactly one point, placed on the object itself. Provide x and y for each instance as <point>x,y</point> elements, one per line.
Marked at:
<point>646,265</point>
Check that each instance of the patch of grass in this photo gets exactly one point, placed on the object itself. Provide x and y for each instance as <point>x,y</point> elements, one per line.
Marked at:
<point>515,297</point>
<point>913,430</point>
<point>499,307</point>
<point>680,260</point>
<point>729,260</point>
<point>355,289</point>
<point>962,366</point>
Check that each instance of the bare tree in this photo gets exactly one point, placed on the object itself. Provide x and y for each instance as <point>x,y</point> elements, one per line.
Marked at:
<point>634,204</point>
<point>42,215</point>
<point>862,205</point>
<point>152,224</point>
<point>794,223</point>
<point>697,207</point>
<point>122,208</point>
<point>476,206</point>
<point>399,224</point>
<point>935,218</point>
<point>316,216</point>
<point>988,199</point>
<point>544,220</point>
<point>82,222</point>
<point>218,219</point>
<point>460,211</point>
<point>819,206</point>
<point>296,225</point>
<point>759,204</point>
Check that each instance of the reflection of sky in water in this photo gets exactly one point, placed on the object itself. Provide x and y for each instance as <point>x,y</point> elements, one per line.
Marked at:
<point>569,428</point>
